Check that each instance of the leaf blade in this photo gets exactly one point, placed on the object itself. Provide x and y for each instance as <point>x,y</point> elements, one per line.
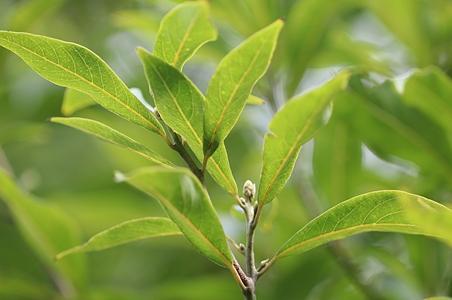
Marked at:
<point>188,205</point>
<point>125,232</point>
<point>233,82</point>
<point>74,66</point>
<point>112,136</point>
<point>74,101</point>
<point>375,211</point>
<point>182,32</point>
<point>181,107</point>
<point>292,126</point>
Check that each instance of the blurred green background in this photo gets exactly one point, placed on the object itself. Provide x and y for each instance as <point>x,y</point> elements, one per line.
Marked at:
<point>392,129</point>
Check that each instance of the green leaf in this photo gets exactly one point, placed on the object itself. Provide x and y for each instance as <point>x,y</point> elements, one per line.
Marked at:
<point>181,105</point>
<point>76,67</point>
<point>182,32</point>
<point>187,203</point>
<point>74,101</point>
<point>291,127</point>
<point>113,136</point>
<point>392,129</point>
<point>382,211</point>
<point>430,90</point>
<point>337,157</point>
<point>233,81</point>
<point>47,230</point>
<point>254,100</point>
<point>435,220</point>
<point>126,232</point>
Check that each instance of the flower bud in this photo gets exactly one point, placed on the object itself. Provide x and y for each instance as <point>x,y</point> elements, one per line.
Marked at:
<point>249,189</point>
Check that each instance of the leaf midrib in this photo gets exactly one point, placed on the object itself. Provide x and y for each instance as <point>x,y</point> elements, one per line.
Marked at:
<point>188,221</point>
<point>88,82</point>
<point>289,153</point>
<point>197,137</point>
<point>348,229</point>
<point>184,39</point>
<point>236,87</point>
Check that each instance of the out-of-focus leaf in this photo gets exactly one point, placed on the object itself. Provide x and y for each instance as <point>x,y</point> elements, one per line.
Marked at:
<point>113,136</point>
<point>48,231</point>
<point>392,129</point>
<point>126,232</point>
<point>254,100</point>
<point>74,101</point>
<point>15,288</point>
<point>337,156</point>
<point>430,90</point>
<point>188,205</point>
<point>29,12</point>
<point>376,211</point>
<point>436,220</point>
<point>405,19</point>
<point>76,67</point>
<point>182,32</point>
<point>180,104</point>
<point>292,126</point>
<point>233,82</point>
<point>307,28</point>
<point>137,20</point>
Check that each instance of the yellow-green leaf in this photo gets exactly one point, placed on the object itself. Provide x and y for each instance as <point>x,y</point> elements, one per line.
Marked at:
<point>76,67</point>
<point>113,136</point>
<point>126,232</point>
<point>383,211</point>
<point>181,106</point>
<point>187,203</point>
<point>233,82</point>
<point>182,32</point>
<point>74,101</point>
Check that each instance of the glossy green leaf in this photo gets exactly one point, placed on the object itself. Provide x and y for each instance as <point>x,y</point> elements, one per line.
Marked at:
<point>233,81</point>
<point>181,105</point>
<point>430,90</point>
<point>74,101</point>
<point>382,211</point>
<point>113,136</point>
<point>182,32</point>
<point>47,230</point>
<point>187,203</point>
<point>126,232</point>
<point>292,126</point>
<point>76,67</point>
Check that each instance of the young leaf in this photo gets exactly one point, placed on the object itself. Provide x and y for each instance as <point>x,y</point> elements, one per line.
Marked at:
<point>292,126</point>
<point>74,101</point>
<point>382,211</point>
<point>126,232</point>
<point>233,82</point>
<point>113,136</point>
<point>254,100</point>
<point>76,67</point>
<point>181,105</point>
<point>47,230</point>
<point>430,91</point>
<point>182,32</point>
<point>188,205</point>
